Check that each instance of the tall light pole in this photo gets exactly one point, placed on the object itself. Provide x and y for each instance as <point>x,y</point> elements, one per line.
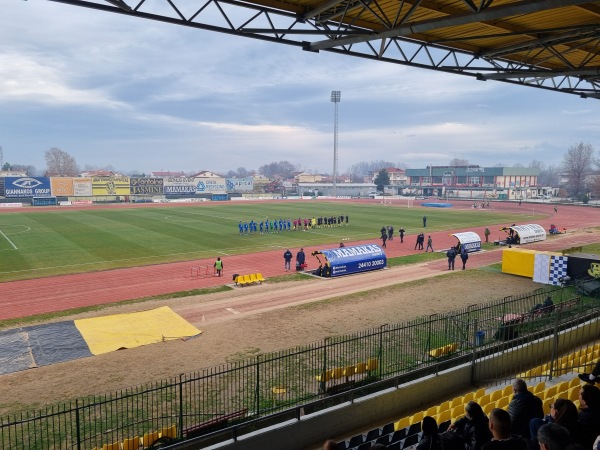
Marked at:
<point>335,98</point>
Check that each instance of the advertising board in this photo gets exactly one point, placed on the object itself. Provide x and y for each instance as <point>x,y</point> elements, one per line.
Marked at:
<point>26,187</point>
<point>354,259</point>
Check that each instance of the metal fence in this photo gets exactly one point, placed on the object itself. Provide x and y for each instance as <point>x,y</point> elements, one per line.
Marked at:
<point>201,402</point>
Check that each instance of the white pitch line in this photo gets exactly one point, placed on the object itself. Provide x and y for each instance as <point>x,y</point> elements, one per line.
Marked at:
<point>232,311</point>
<point>9,241</point>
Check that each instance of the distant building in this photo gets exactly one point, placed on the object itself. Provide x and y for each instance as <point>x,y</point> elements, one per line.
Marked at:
<point>161,174</point>
<point>397,176</point>
<point>13,173</point>
<point>473,181</point>
<point>206,174</point>
<point>305,177</point>
<point>99,173</point>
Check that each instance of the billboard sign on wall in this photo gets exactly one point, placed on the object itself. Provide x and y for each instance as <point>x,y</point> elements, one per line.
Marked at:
<point>240,184</point>
<point>110,185</point>
<point>27,187</point>
<point>179,185</point>
<point>146,186</point>
<point>61,186</point>
<point>82,187</point>
<point>204,185</point>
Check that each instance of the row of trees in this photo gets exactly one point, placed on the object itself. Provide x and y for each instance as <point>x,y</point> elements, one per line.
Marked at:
<point>580,168</point>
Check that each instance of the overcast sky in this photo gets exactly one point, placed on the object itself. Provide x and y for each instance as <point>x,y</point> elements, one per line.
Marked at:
<point>144,96</point>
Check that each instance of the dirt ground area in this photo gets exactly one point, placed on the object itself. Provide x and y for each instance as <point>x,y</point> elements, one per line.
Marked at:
<point>245,322</point>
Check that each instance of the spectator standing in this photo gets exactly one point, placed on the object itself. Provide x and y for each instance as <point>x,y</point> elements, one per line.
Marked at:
<point>451,255</point>
<point>430,439</point>
<point>429,244</point>
<point>589,414</point>
<point>473,428</point>
<point>218,265</point>
<point>502,439</point>
<point>401,231</point>
<point>523,407</point>
<point>487,234</point>
<point>287,257</point>
<point>300,260</point>
<point>464,256</point>
<point>424,221</point>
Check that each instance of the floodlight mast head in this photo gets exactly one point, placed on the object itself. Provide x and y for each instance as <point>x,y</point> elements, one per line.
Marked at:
<point>335,98</point>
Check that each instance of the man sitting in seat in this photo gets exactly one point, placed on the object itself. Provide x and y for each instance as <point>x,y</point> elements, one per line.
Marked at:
<point>500,427</point>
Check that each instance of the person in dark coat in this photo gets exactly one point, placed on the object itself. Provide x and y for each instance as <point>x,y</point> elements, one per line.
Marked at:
<point>463,257</point>
<point>384,236</point>
<point>287,257</point>
<point>430,439</point>
<point>589,414</point>
<point>473,428</point>
<point>451,255</point>
<point>523,407</point>
<point>502,439</point>
<point>300,259</point>
<point>401,231</point>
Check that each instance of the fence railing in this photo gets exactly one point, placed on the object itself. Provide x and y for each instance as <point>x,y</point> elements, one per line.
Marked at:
<point>203,401</point>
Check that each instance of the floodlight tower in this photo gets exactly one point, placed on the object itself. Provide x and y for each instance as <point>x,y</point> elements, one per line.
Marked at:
<point>335,98</point>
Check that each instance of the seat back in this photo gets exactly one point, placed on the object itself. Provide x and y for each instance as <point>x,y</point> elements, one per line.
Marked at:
<point>169,432</point>
<point>361,367</point>
<point>253,278</point>
<point>324,377</point>
<point>131,443</point>
<point>372,364</point>
<point>149,438</point>
<point>259,277</point>
<point>337,373</point>
<point>349,370</point>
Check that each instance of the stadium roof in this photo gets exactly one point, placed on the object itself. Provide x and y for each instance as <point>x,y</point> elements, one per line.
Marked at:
<point>548,44</point>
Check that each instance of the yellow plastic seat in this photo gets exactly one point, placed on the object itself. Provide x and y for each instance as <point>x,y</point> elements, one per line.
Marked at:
<point>324,377</point>
<point>444,416</point>
<point>337,373</point>
<point>372,364</point>
<point>169,432</point>
<point>550,393</point>
<point>132,443</point>
<point>507,390</point>
<point>149,438</point>
<point>503,402</point>
<point>539,388</point>
<point>574,382</point>
<point>416,417</point>
<point>456,401</point>
<point>402,423</point>
<point>444,406</point>
<point>488,408</point>
<point>468,397</point>
<point>483,400</point>
<point>457,411</point>
<point>546,405</point>
<point>361,367</point>
<point>253,278</point>
<point>113,446</point>
<point>496,395</point>
<point>431,411</point>
<point>260,277</point>
<point>573,393</point>
<point>349,371</point>
<point>562,387</point>
<point>480,392</point>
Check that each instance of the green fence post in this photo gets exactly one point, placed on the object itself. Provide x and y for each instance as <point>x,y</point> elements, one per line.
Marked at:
<point>380,352</point>
<point>77,424</point>
<point>323,382</point>
<point>180,427</point>
<point>257,393</point>
<point>474,352</point>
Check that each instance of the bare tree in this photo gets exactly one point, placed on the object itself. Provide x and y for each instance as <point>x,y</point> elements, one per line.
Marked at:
<point>577,165</point>
<point>283,169</point>
<point>456,162</point>
<point>549,176</point>
<point>60,163</point>
<point>364,168</point>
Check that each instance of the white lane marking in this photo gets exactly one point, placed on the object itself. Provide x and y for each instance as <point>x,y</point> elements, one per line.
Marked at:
<point>232,311</point>
<point>9,241</point>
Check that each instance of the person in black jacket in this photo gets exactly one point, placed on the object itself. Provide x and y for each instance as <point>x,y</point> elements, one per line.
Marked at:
<point>300,260</point>
<point>473,428</point>
<point>523,407</point>
<point>589,414</point>
<point>430,439</point>
<point>500,427</point>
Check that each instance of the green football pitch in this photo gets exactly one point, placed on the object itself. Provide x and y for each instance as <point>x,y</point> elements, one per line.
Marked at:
<point>60,241</point>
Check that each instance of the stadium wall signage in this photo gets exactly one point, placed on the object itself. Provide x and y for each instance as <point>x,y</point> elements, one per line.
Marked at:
<point>356,259</point>
<point>27,187</point>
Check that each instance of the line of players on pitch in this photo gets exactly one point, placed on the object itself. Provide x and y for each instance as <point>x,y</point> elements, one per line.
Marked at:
<point>277,226</point>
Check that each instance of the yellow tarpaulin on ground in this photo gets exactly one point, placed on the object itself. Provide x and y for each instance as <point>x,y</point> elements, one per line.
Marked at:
<point>109,333</point>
